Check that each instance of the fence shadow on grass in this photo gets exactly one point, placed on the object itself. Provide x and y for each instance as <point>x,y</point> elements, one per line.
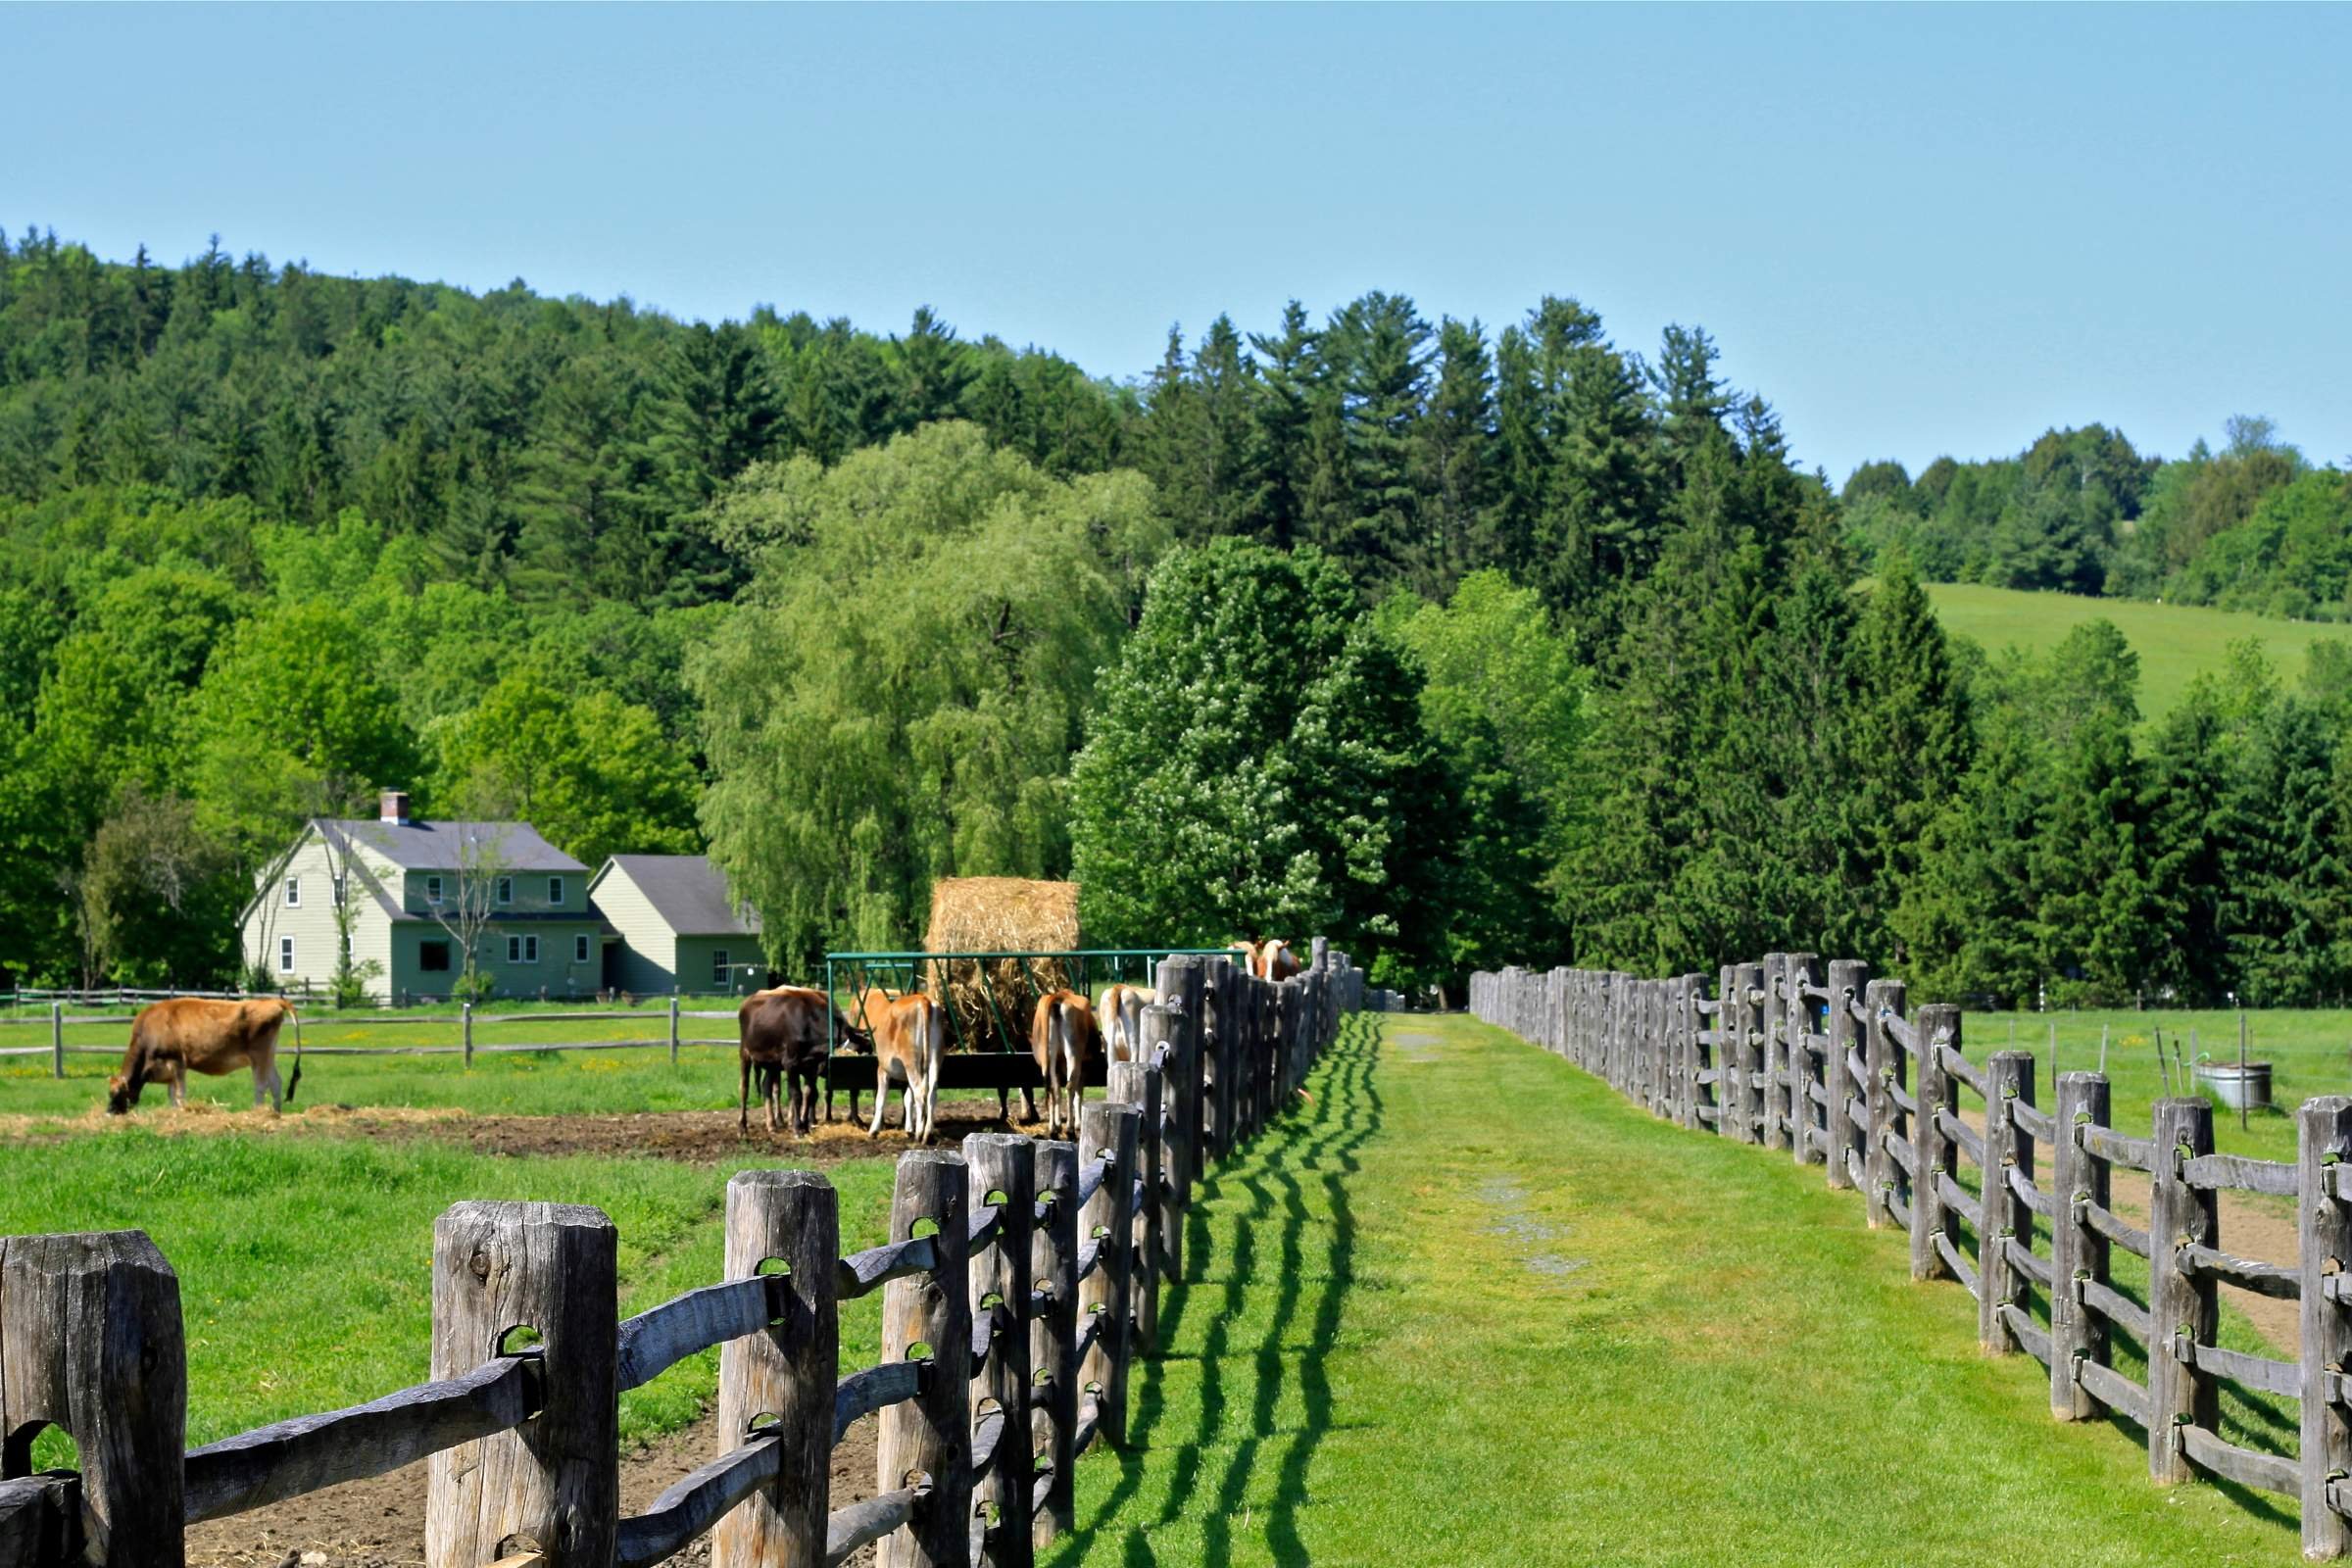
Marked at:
<point>1318,1145</point>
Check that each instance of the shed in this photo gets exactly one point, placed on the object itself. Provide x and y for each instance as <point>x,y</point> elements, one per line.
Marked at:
<point>678,925</point>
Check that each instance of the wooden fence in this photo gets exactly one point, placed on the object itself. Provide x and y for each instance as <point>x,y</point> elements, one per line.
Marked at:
<point>1020,1280</point>
<point>2011,1200</point>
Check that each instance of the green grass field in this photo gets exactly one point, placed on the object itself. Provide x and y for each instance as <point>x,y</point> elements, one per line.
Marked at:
<point>2174,642</point>
<point>1476,1309</point>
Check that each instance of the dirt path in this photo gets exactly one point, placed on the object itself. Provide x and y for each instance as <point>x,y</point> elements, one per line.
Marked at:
<point>381,1523</point>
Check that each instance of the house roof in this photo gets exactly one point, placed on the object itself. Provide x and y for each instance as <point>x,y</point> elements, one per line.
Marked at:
<point>445,845</point>
<point>687,892</point>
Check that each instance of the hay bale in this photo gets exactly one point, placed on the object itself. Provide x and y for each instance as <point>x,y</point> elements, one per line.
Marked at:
<point>999,915</point>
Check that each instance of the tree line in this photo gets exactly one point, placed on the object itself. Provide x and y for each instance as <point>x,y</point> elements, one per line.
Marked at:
<point>1465,646</point>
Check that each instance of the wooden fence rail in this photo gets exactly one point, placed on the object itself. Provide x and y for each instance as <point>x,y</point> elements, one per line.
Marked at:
<point>1020,1280</point>
<point>2011,1201</point>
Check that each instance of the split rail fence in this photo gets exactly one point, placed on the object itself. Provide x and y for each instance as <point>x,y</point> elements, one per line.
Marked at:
<point>1020,1281</point>
<point>1831,1067</point>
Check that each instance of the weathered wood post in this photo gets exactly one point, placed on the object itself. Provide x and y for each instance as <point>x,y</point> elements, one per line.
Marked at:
<point>1777,1124</point>
<point>928,1317</point>
<point>2003,1214</point>
<point>1807,1062</point>
<point>1132,1084</point>
<point>1653,1046</point>
<point>1747,981</point>
<point>1884,1183</point>
<point>1686,1050</point>
<point>1932,1147</point>
<point>673,1028</point>
<point>1250,1049</point>
<point>466,1028</point>
<point>783,1378</point>
<point>90,1340</point>
<point>56,1039</point>
<point>2077,1253</point>
<point>2323,1227</point>
<point>1107,1138</point>
<point>552,1486</point>
<point>2183,1309</point>
<point>1847,1089</point>
<point>1003,1172</point>
<point>1223,981</point>
<point>1180,992</point>
<point>1053,1335</point>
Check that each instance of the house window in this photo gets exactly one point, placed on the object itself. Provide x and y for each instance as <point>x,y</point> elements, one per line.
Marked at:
<point>433,956</point>
<point>718,965</point>
<point>506,890</point>
<point>522,950</point>
<point>293,893</point>
<point>432,890</point>
<point>555,891</point>
<point>337,886</point>
<point>285,955</point>
<point>579,948</point>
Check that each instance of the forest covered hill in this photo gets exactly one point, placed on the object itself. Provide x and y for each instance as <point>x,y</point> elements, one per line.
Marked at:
<point>1542,639</point>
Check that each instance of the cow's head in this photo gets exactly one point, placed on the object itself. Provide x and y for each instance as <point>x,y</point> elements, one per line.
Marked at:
<point>121,1092</point>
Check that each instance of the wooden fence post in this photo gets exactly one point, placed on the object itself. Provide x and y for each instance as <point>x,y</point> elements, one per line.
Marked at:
<point>1805,1063</point>
<point>552,1486</point>
<point>2004,1215</point>
<point>674,1027</point>
<point>1747,980</point>
<point>1003,1172</point>
<point>930,1435</point>
<point>1932,1147</point>
<point>2181,1305</point>
<point>2077,1253</point>
<point>91,1330</point>
<point>788,1372</point>
<point>1180,992</point>
<point>1653,1046</point>
<point>1778,1125</point>
<point>1685,1052</point>
<point>2322,1148</point>
<point>1131,1083</point>
<point>56,1039</point>
<point>1223,983</point>
<point>1053,1336</point>
<point>1108,1136</point>
<point>466,1028</point>
<point>1848,1090</point>
<point>1883,1182</point>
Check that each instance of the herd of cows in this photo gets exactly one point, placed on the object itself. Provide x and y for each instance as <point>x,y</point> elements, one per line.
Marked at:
<point>784,1039</point>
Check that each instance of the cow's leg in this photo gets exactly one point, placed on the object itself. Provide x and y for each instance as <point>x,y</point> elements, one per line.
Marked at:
<point>743,1109</point>
<point>178,1084</point>
<point>881,1101</point>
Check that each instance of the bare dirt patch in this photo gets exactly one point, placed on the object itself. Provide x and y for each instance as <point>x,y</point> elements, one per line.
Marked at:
<point>381,1523</point>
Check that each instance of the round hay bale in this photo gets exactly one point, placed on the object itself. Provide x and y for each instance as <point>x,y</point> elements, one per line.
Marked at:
<point>999,915</point>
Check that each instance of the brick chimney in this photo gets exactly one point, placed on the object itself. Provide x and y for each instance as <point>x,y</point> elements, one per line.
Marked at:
<point>394,806</point>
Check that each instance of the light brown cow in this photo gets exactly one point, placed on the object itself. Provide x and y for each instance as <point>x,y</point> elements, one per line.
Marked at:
<point>1119,1013</point>
<point>780,1035</point>
<point>170,1038</point>
<point>911,1035</point>
<point>1064,1038</point>
<point>1275,960</point>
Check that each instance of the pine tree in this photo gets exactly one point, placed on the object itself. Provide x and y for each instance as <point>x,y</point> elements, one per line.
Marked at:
<point>1455,462</point>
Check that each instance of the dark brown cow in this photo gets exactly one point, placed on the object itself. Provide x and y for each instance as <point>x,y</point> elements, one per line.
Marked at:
<point>1064,1037</point>
<point>168,1040</point>
<point>780,1035</point>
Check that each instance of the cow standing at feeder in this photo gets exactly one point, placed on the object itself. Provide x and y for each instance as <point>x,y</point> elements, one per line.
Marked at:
<point>1064,1037</point>
<point>170,1038</point>
<point>910,1037</point>
<point>780,1037</point>
<point>1119,1011</point>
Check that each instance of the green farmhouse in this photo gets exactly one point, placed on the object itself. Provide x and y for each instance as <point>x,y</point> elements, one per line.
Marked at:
<point>677,927</point>
<point>412,894</point>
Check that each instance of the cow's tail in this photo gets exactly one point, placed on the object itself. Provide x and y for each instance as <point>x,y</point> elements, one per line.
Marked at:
<point>294,1082</point>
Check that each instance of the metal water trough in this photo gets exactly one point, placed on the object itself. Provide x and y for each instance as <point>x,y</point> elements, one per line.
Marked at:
<point>2237,1089</point>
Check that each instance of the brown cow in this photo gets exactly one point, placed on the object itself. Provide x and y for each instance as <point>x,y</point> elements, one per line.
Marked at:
<point>1064,1038</point>
<point>781,1035</point>
<point>169,1039</point>
<point>1275,960</point>
<point>1119,1014</point>
<point>911,1035</point>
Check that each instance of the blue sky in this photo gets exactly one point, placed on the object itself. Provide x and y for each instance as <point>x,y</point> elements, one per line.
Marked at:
<point>1916,231</point>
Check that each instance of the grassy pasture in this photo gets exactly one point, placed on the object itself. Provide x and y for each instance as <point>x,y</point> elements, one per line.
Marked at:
<point>2174,642</point>
<point>1473,1308</point>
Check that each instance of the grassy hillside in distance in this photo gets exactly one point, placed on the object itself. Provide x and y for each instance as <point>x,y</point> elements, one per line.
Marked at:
<point>2174,641</point>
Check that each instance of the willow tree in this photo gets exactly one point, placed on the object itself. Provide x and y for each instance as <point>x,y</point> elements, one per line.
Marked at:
<point>897,696</point>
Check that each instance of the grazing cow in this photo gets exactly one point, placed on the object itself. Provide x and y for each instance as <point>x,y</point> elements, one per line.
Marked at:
<point>911,1035</point>
<point>170,1038</point>
<point>1064,1038</point>
<point>780,1037</point>
<point>1119,1011</point>
<point>1275,960</point>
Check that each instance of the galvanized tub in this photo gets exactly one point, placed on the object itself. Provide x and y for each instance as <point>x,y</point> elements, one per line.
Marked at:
<point>2237,1089</point>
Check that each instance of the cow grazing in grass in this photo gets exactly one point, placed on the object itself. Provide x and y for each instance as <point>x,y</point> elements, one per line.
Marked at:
<point>910,1037</point>
<point>781,1037</point>
<point>1119,1011</point>
<point>1064,1037</point>
<point>1275,960</point>
<point>168,1040</point>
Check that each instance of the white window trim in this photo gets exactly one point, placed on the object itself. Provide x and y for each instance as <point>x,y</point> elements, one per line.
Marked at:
<point>555,892</point>
<point>524,949</point>
<point>579,948</point>
<point>293,893</point>
<point>718,965</point>
<point>506,890</point>
<point>432,890</point>
<point>285,955</point>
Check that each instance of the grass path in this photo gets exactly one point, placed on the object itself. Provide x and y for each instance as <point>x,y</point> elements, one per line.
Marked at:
<point>1472,1309</point>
